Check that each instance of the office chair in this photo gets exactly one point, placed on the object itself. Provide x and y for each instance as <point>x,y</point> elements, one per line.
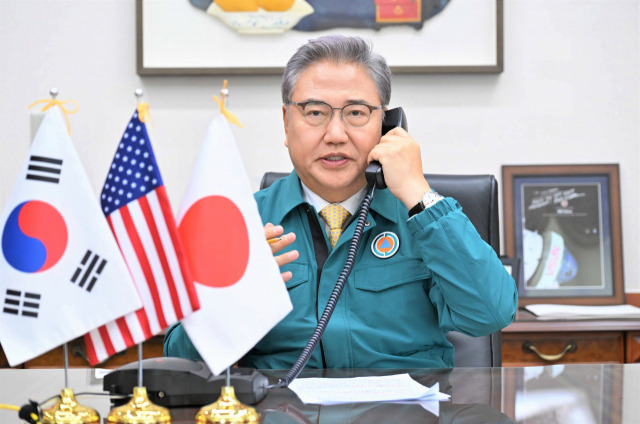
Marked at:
<point>478,196</point>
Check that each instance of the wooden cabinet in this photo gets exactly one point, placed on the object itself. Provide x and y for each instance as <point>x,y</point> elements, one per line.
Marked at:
<point>522,349</point>
<point>528,341</point>
<point>633,346</point>
<point>3,359</point>
<point>152,348</point>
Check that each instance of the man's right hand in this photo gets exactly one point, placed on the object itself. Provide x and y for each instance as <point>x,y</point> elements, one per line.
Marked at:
<point>277,242</point>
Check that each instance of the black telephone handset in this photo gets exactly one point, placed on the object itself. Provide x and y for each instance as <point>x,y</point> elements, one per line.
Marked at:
<point>392,118</point>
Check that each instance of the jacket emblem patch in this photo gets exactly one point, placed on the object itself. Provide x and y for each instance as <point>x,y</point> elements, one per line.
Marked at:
<point>385,245</point>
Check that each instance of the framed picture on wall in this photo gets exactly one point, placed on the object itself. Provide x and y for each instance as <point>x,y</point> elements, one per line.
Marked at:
<point>203,37</point>
<point>563,223</point>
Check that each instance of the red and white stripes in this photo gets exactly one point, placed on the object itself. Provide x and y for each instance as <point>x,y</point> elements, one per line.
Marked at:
<point>147,236</point>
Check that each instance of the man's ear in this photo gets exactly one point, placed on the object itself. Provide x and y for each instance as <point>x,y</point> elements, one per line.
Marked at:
<point>285,121</point>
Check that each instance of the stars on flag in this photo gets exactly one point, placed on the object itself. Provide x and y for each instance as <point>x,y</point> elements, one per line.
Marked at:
<point>134,171</point>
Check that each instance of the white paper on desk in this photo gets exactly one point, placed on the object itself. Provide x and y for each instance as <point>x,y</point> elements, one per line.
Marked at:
<point>328,391</point>
<point>579,311</point>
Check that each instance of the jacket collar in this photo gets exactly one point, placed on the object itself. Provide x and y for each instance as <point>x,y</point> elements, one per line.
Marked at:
<point>384,203</point>
<point>289,195</point>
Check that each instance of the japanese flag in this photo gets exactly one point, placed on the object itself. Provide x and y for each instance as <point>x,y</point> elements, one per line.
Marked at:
<point>61,272</point>
<point>238,282</point>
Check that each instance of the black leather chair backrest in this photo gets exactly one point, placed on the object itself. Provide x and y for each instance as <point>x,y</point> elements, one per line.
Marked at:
<point>269,177</point>
<point>478,196</point>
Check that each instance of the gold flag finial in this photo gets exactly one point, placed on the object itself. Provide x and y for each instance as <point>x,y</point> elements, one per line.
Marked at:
<point>143,107</point>
<point>221,104</point>
<point>54,102</point>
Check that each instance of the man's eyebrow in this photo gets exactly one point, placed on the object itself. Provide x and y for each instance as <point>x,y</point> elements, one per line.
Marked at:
<point>346,102</point>
<point>356,101</point>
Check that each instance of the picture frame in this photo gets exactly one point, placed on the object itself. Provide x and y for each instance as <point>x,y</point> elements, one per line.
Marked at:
<point>174,37</point>
<point>563,222</point>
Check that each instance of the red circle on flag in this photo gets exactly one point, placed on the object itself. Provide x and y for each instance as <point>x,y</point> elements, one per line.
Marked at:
<point>216,240</point>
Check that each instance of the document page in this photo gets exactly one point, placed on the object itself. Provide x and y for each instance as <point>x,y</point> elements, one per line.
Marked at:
<point>548,311</point>
<point>327,391</point>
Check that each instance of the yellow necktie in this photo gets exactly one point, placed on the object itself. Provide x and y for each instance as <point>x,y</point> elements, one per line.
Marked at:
<point>335,216</point>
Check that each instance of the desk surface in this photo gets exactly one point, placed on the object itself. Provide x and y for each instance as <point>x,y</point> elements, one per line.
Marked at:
<point>553,394</point>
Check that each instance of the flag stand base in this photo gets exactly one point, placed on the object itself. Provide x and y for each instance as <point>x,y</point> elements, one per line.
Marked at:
<point>228,410</point>
<point>68,411</point>
<point>139,410</point>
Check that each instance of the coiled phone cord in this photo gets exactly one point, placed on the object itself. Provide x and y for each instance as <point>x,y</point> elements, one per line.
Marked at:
<point>333,299</point>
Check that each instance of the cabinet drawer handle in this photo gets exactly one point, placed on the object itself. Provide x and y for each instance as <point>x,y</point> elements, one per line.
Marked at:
<point>570,347</point>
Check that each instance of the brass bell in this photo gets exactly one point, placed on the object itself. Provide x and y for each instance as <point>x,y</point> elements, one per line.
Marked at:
<point>68,411</point>
<point>227,410</point>
<point>139,410</point>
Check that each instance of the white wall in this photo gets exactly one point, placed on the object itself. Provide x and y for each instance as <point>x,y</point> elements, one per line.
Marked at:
<point>570,93</point>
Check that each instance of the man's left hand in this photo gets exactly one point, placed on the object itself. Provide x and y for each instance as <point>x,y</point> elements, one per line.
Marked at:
<point>400,157</point>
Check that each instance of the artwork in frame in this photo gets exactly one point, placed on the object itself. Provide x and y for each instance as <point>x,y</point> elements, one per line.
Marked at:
<point>199,37</point>
<point>563,223</point>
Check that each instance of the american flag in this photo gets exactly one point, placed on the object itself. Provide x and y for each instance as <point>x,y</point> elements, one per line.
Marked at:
<point>138,211</point>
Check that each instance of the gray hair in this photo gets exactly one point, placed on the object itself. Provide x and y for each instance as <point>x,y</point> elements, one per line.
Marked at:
<point>338,49</point>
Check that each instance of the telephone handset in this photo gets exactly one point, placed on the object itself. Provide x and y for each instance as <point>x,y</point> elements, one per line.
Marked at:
<point>392,118</point>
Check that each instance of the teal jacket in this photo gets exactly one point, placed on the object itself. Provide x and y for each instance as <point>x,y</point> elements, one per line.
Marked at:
<point>394,312</point>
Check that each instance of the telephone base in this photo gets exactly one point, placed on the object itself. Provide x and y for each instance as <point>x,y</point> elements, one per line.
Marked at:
<point>175,382</point>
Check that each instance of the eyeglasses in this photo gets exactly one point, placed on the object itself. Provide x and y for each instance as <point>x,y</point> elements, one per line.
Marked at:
<point>320,113</point>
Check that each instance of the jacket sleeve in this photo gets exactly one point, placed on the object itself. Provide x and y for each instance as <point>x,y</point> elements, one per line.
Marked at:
<point>471,289</point>
<point>176,343</point>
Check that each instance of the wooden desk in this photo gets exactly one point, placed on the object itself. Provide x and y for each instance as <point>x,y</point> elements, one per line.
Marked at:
<point>570,341</point>
<point>595,393</point>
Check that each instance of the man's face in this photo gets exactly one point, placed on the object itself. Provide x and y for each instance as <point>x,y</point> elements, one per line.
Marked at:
<point>331,158</point>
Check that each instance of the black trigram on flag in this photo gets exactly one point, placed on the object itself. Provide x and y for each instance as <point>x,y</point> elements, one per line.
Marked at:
<point>18,303</point>
<point>92,266</point>
<point>44,169</point>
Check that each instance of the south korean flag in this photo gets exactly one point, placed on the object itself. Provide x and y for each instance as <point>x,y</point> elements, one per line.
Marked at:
<point>61,272</point>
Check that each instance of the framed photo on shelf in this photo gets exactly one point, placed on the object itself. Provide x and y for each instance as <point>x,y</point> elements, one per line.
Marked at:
<point>198,37</point>
<point>563,223</point>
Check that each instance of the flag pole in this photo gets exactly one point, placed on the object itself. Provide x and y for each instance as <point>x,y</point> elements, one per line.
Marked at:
<point>139,364</point>
<point>66,407</point>
<point>53,92</point>
<point>139,409</point>
<point>227,409</point>
<point>65,350</point>
<point>138,93</point>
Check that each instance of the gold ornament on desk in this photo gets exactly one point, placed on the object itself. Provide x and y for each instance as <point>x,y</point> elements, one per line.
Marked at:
<point>227,410</point>
<point>68,411</point>
<point>139,410</point>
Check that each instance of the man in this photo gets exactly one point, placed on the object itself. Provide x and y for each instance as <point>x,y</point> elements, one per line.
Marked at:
<point>422,269</point>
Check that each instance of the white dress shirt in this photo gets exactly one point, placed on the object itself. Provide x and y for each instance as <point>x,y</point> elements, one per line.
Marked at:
<point>351,204</point>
